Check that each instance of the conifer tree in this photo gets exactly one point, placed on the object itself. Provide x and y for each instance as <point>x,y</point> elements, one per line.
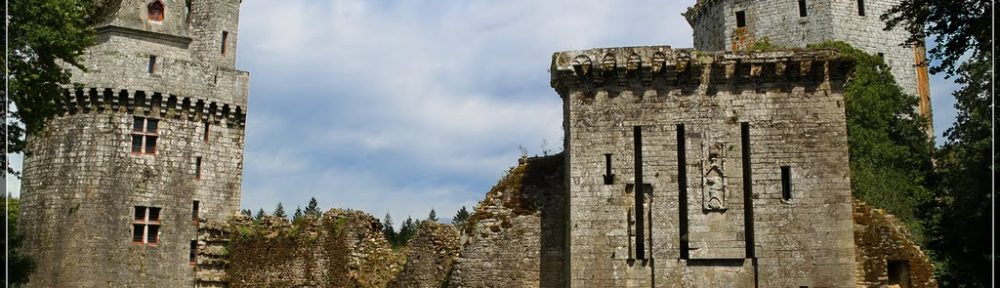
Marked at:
<point>460,218</point>
<point>247,212</point>
<point>298,215</point>
<point>313,207</point>
<point>260,215</point>
<point>279,211</point>
<point>432,216</point>
<point>389,231</point>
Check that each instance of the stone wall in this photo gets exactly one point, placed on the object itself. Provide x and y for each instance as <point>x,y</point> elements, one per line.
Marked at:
<point>886,256</point>
<point>721,134</point>
<point>343,248</point>
<point>430,256</point>
<point>516,236</point>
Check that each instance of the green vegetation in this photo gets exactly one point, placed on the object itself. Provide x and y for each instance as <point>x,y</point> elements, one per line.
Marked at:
<point>19,266</point>
<point>313,207</point>
<point>432,216</point>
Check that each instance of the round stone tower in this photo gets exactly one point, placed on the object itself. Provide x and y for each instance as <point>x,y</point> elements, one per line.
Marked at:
<point>147,147</point>
<point>736,24</point>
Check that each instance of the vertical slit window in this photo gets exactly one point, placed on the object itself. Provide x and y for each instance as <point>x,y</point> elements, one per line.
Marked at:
<point>741,19</point>
<point>144,134</point>
<point>197,167</point>
<point>194,210</point>
<point>608,177</point>
<point>225,36</point>
<point>640,245</point>
<point>205,136</point>
<point>152,64</point>
<point>861,7</point>
<point>786,182</point>
<point>682,190</point>
<point>802,9</point>
<point>193,252</point>
<point>748,223</point>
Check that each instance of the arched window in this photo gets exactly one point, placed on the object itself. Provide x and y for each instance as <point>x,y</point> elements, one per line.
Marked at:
<point>155,11</point>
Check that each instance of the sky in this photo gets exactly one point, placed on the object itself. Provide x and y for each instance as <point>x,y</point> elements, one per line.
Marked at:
<point>406,106</point>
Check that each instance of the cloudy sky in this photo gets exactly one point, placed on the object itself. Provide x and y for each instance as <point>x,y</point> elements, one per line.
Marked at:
<point>404,106</point>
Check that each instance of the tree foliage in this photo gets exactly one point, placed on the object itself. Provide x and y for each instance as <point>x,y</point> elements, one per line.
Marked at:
<point>279,211</point>
<point>389,231</point>
<point>432,216</point>
<point>260,215</point>
<point>890,155</point>
<point>460,217</point>
<point>313,207</point>
<point>957,26</point>
<point>44,35</point>
<point>19,266</point>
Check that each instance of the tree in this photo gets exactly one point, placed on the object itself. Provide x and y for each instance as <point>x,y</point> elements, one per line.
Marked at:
<point>298,215</point>
<point>44,36</point>
<point>279,211</point>
<point>260,215</point>
<point>432,216</point>
<point>460,217</point>
<point>247,212</point>
<point>406,231</point>
<point>313,207</point>
<point>957,26</point>
<point>19,266</point>
<point>388,231</point>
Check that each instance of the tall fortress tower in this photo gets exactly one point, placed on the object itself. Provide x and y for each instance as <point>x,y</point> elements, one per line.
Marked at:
<point>735,24</point>
<point>147,148</point>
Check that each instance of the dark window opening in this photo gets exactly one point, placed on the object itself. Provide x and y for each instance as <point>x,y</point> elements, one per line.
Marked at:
<point>194,210</point>
<point>152,64</point>
<point>197,167</point>
<point>155,11</point>
<point>786,182</point>
<point>633,225</point>
<point>802,9</point>
<point>206,132</point>
<point>881,55</point>
<point>640,245</point>
<point>747,190</point>
<point>682,190</point>
<point>741,19</point>
<point>861,7</point>
<point>193,254</point>
<point>899,273</point>
<point>225,36</point>
<point>144,135</point>
<point>146,226</point>
<point>608,177</point>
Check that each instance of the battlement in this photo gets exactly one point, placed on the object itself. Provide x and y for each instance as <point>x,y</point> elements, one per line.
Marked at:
<point>691,70</point>
<point>84,100</point>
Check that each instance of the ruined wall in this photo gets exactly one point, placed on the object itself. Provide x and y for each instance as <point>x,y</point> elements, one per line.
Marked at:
<point>780,21</point>
<point>721,133</point>
<point>84,179</point>
<point>343,248</point>
<point>886,255</point>
<point>430,256</point>
<point>516,236</point>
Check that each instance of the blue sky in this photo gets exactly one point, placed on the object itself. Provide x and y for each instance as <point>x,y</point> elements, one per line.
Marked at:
<point>404,106</point>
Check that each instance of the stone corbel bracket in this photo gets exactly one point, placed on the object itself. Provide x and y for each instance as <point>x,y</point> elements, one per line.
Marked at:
<point>698,72</point>
<point>153,104</point>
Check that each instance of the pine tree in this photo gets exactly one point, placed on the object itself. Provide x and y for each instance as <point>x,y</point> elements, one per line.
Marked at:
<point>298,215</point>
<point>260,215</point>
<point>407,231</point>
<point>432,216</point>
<point>389,231</point>
<point>460,217</point>
<point>313,207</point>
<point>247,212</point>
<point>280,211</point>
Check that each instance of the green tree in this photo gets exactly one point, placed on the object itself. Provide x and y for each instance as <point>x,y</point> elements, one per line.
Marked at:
<point>298,215</point>
<point>406,231</point>
<point>260,215</point>
<point>432,216</point>
<point>279,211</point>
<point>247,212</point>
<point>460,217</point>
<point>388,231</point>
<point>957,26</point>
<point>44,36</point>
<point>19,266</point>
<point>313,207</point>
<point>890,155</point>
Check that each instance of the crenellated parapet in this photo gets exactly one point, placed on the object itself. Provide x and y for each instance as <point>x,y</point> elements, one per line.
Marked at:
<point>85,100</point>
<point>690,70</point>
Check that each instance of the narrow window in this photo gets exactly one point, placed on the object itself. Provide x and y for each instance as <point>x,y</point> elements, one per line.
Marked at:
<point>152,64</point>
<point>899,273</point>
<point>786,182</point>
<point>747,190</point>
<point>802,8</point>
<point>741,19</point>
<point>881,55</point>
<point>197,167</point>
<point>225,36</point>
<point>861,7</point>
<point>193,253</point>
<point>146,226</point>
<point>194,210</point>
<point>205,136</point>
<point>682,190</point>
<point>608,177</point>
<point>144,134</point>
<point>155,11</point>
<point>640,245</point>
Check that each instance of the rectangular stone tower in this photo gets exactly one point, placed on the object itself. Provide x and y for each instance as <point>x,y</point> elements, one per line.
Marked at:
<point>694,169</point>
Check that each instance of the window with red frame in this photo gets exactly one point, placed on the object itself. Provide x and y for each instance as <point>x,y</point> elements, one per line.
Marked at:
<point>144,135</point>
<point>155,11</point>
<point>146,226</point>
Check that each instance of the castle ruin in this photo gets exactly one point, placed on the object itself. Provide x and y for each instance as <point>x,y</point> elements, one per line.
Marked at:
<point>147,149</point>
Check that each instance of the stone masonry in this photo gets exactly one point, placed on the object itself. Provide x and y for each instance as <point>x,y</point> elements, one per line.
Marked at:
<point>695,169</point>
<point>147,147</point>
<point>735,24</point>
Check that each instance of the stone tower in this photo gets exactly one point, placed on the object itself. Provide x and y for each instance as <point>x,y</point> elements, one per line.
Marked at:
<point>734,24</point>
<point>146,148</point>
<point>706,169</point>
